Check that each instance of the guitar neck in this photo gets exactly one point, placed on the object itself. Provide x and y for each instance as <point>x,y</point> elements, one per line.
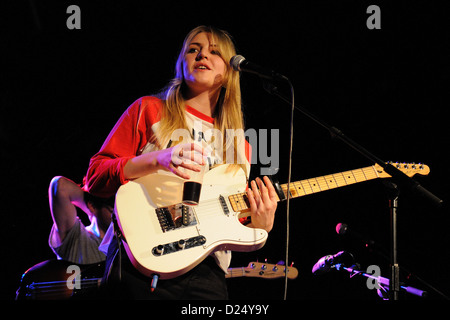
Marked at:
<point>235,272</point>
<point>314,185</point>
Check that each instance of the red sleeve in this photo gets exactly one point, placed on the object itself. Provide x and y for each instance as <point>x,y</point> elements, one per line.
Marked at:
<point>127,138</point>
<point>248,152</point>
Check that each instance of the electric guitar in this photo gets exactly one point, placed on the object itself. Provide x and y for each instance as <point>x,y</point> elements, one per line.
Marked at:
<point>55,280</point>
<point>48,280</point>
<point>163,237</point>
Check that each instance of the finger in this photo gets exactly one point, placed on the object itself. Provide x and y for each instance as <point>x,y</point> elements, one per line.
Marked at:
<point>181,173</point>
<point>177,155</point>
<point>193,152</point>
<point>191,166</point>
<point>251,200</point>
<point>261,185</point>
<point>263,190</point>
<point>272,192</point>
<point>255,192</point>
<point>197,148</point>
<point>194,157</point>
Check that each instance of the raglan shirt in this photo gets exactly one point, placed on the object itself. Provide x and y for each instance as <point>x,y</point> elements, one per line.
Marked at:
<point>79,245</point>
<point>136,133</point>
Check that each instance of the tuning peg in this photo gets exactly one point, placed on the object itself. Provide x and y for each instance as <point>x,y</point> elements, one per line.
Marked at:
<point>280,263</point>
<point>292,263</point>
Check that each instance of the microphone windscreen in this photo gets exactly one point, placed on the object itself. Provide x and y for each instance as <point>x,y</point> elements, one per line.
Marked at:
<point>236,61</point>
<point>341,228</point>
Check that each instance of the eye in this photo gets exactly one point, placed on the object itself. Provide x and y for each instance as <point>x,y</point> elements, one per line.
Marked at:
<point>192,50</point>
<point>216,52</point>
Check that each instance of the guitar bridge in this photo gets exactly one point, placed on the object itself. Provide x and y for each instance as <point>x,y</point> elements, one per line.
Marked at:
<point>175,216</point>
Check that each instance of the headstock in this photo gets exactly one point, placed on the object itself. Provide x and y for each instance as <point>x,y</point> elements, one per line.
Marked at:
<point>269,271</point>
<point>410,169</point>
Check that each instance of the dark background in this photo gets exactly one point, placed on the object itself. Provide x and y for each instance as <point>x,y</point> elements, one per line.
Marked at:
<point>63,90</point>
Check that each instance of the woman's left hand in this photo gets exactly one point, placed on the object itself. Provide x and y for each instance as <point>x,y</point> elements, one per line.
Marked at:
<point>263,202</point>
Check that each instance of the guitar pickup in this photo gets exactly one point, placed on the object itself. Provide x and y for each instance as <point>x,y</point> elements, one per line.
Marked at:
<point>224,205</point>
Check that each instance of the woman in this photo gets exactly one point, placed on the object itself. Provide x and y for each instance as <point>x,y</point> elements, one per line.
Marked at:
<point>205,91</point>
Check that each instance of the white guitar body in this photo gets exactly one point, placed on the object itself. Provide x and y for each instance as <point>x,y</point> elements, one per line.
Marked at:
<point>147,209</point>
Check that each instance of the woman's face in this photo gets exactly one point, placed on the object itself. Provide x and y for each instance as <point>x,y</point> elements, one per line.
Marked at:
<point>203,67</point>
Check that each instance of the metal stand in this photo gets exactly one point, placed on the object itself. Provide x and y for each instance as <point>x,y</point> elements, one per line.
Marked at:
<point>398,176</point>
<point>394,284</point>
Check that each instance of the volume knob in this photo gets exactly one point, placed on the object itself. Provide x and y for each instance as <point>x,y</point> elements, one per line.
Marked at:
<point>181,244</point>
<point>160,249</point>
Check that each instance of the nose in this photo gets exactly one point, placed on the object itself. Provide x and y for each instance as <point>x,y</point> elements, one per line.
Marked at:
<point>202,54</point>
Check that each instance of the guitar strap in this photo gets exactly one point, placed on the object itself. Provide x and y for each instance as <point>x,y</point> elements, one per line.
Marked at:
<point>117,257</point>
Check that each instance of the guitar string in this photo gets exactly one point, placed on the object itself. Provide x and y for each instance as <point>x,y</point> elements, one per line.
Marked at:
<point>237,201</point>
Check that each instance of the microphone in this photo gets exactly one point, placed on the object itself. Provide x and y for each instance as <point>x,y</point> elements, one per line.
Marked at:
<point>343,229</point>
<point>239,63</point>
<point>327,262</point>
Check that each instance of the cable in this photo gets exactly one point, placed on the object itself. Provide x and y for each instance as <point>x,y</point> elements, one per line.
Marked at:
<point>288,193</point>
<point>270,87</point>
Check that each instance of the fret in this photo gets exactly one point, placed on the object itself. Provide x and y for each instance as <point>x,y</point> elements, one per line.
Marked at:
<point>322,183</point>
<point>314,185</point>
<point>299,187</point>
<point>362,171</point>
<point>294,192</point>
<point>371,172</point>
<point>349,177</point>
<point>238,202</point>
<point>340,179</point>
<point>331,181</point>
<point>306,187</point>
<point>235,272</point>
<point>359,175</point>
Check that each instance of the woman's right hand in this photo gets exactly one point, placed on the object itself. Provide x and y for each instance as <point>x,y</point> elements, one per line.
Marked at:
<point>175,159</point>
<point>188,156</point>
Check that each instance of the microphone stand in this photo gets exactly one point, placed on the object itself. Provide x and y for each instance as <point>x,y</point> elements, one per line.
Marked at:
<point>397,175</point>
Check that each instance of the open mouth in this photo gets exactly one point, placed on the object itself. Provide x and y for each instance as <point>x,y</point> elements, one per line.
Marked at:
<point>202,67</point>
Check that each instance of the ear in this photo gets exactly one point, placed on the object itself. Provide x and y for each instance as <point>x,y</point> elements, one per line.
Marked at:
<point>91,207</point>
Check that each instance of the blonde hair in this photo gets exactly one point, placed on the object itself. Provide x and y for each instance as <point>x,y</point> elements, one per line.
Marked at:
<point>228,111</point>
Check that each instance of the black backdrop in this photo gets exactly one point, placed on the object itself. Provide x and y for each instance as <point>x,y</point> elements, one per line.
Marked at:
<point>63,90</point>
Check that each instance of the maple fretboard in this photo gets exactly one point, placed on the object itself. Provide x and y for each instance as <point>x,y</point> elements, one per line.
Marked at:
<point>305,187</point>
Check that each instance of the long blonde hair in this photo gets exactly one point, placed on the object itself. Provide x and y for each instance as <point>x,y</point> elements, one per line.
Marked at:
<point>228,112</point>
